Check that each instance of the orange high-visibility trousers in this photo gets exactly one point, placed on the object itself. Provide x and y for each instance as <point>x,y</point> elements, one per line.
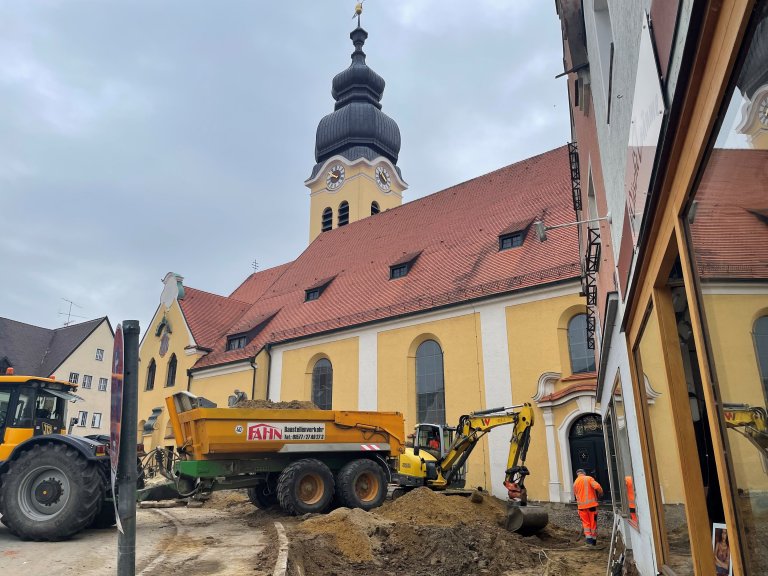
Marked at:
<point>588,518</point>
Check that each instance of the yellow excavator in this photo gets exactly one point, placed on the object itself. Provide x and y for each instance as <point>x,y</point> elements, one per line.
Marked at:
<point>439,453</point>
<point>749,421</point>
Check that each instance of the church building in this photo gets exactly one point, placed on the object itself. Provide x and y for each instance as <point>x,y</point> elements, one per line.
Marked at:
<point>435,308</point>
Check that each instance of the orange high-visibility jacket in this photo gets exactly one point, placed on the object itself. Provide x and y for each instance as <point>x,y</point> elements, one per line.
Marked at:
<point>586,488</point>
<point>629,483</point>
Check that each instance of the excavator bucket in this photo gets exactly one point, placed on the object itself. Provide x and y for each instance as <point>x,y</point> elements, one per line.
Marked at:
<point>525,520</point>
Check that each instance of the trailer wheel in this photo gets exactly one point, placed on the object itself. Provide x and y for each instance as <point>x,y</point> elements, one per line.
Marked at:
<point>50,492</point>
<point>305,486</point>
<point>361,484</point>
<point>261,497</point>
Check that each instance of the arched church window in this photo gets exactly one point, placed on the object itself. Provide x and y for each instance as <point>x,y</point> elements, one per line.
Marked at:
<point>375,208</point>
<point>760,334</point>
<point>430,383</point>
<point>322,384</point>
<point>327,222</point>
<point>344,213</point>
<point>151,369</point>
<point>582,358</point>
<point>171,378</point>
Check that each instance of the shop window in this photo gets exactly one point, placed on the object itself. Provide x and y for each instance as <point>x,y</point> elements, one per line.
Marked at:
<point>430,383</point>
<point>170,379</point>
<point>727,237</point>
<point>322,384</point>
<point>582,358</point>
<point>151,369</point>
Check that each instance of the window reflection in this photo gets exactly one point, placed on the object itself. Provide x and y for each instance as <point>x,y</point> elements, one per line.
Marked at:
<point>727,225</point>
<point>622,476</point>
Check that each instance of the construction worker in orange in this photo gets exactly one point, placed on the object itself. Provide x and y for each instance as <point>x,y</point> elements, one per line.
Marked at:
<point>587,490</point>
<point>630,484</point>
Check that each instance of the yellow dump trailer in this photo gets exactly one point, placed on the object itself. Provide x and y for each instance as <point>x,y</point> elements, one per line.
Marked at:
<point>299,458</point>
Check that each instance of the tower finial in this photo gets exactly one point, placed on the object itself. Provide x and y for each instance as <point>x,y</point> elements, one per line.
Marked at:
<point>358,11</point>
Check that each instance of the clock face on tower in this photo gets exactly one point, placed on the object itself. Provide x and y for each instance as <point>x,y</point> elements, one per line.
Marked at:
<point>335,177</point>
<point>762,112</point>
<point>383,179</point>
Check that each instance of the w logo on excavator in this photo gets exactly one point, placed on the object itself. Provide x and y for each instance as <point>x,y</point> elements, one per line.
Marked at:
<point>486,421</point>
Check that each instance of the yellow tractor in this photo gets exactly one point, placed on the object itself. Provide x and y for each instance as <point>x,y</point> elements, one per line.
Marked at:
<point>52,485</point>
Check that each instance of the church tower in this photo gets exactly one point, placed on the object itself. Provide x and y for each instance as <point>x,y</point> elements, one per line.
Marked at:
<point>356,149</point>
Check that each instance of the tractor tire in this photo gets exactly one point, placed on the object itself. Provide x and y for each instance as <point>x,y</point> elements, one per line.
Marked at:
<point>105,518</point>
<point>50,492</point>
<point>361,484</point>
<point>261,498</point>
<point>304,487</point>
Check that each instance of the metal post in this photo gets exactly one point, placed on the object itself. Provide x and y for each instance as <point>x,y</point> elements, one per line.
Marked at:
<point>126,470</point>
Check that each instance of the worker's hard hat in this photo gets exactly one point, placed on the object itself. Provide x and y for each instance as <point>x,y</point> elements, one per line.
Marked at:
<point>580,471</point>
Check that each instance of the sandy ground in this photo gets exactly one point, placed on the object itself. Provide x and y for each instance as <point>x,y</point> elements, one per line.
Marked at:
<point>172,541</point>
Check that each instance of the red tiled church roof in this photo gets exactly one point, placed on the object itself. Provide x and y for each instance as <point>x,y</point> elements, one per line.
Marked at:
<point>208,315</point>
<point>730,229</point>
<point>456,233</point>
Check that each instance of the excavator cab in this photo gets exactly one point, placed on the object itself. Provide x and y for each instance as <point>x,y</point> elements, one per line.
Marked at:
<point>434,439</point>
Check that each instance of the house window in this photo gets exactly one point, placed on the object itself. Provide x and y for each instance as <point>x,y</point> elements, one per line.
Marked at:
<point>327,222</point>
<point>99,354</point>
<point>398,271</point>
<point>96,420</point>
<point>236,342</point>
<point>170,381</point>
<point>73,377</point>
<point>430,383</point>
<point>760,335</point>
<point>82,418</point>
<point>582,358</point>
<point>313,294</point>
<point>322,384</point>
<point>102,384</point>
<point>344,213</point>
<point>314,291</point>
<point>151,369</point>
<point>87,380</point>
<point>375,209</point>
<point>507,241</point>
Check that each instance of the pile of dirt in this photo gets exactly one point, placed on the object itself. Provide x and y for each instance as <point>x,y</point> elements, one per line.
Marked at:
<point>425,533</point>
<point>269,405</point>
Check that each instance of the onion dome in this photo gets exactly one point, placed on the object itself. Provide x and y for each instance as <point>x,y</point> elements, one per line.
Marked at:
<point>357,128</point>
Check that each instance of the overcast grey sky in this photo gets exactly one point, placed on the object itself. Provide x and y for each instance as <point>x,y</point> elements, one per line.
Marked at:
<point>149,136</point>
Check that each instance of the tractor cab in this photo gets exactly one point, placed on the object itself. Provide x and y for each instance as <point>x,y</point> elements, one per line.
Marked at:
<point>31,407</point>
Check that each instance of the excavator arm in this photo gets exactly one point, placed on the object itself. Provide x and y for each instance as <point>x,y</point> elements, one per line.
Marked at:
<point>749,421</point>
<point>472,427</point>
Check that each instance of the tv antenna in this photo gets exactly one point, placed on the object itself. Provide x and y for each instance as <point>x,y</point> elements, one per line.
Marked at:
<point>69,312</point>
<point>255,266</point>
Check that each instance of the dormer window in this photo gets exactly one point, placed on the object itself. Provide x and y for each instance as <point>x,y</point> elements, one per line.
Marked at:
<point>511,240</point>
<point>402,266</point>
<point>398,271</point>
<point>236,342</point>
<point>314,291</point>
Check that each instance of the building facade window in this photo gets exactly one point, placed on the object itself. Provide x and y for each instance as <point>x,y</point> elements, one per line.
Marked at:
<point>99,354</point>
<point>430,383</point>
<point>322,384</point>
<point>74,377</point>
<point>398,271</point>
<point>82,418</point>
<point>170,380</point>
<point>151,369</point>
<point>87,381</point>
<point>344,213</point>
<point>760,336</point>
<point>236,342</point>
<point>96,420</point>
<point>375,209</point>
<point>582,358</point>
<point>327,221</point>
<point>102,384</point>
<point>507,241</point>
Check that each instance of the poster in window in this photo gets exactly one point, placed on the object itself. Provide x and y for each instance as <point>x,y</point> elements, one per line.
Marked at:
<point>722,550</point>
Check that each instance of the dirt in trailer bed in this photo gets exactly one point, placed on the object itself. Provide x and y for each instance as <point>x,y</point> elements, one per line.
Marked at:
<point>422,533</point>
<point>269,405</point>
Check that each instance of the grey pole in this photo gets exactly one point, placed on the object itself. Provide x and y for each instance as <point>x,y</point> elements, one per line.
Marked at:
<point>126,467</point>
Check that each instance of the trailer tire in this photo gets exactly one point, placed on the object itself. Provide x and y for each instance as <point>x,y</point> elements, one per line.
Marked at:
<point>361,484</point>
<point>305,486</point>
<point>260,498</point>
<point>50,492</point>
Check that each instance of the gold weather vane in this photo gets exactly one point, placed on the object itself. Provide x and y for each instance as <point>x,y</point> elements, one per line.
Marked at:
<point>358,11</point>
